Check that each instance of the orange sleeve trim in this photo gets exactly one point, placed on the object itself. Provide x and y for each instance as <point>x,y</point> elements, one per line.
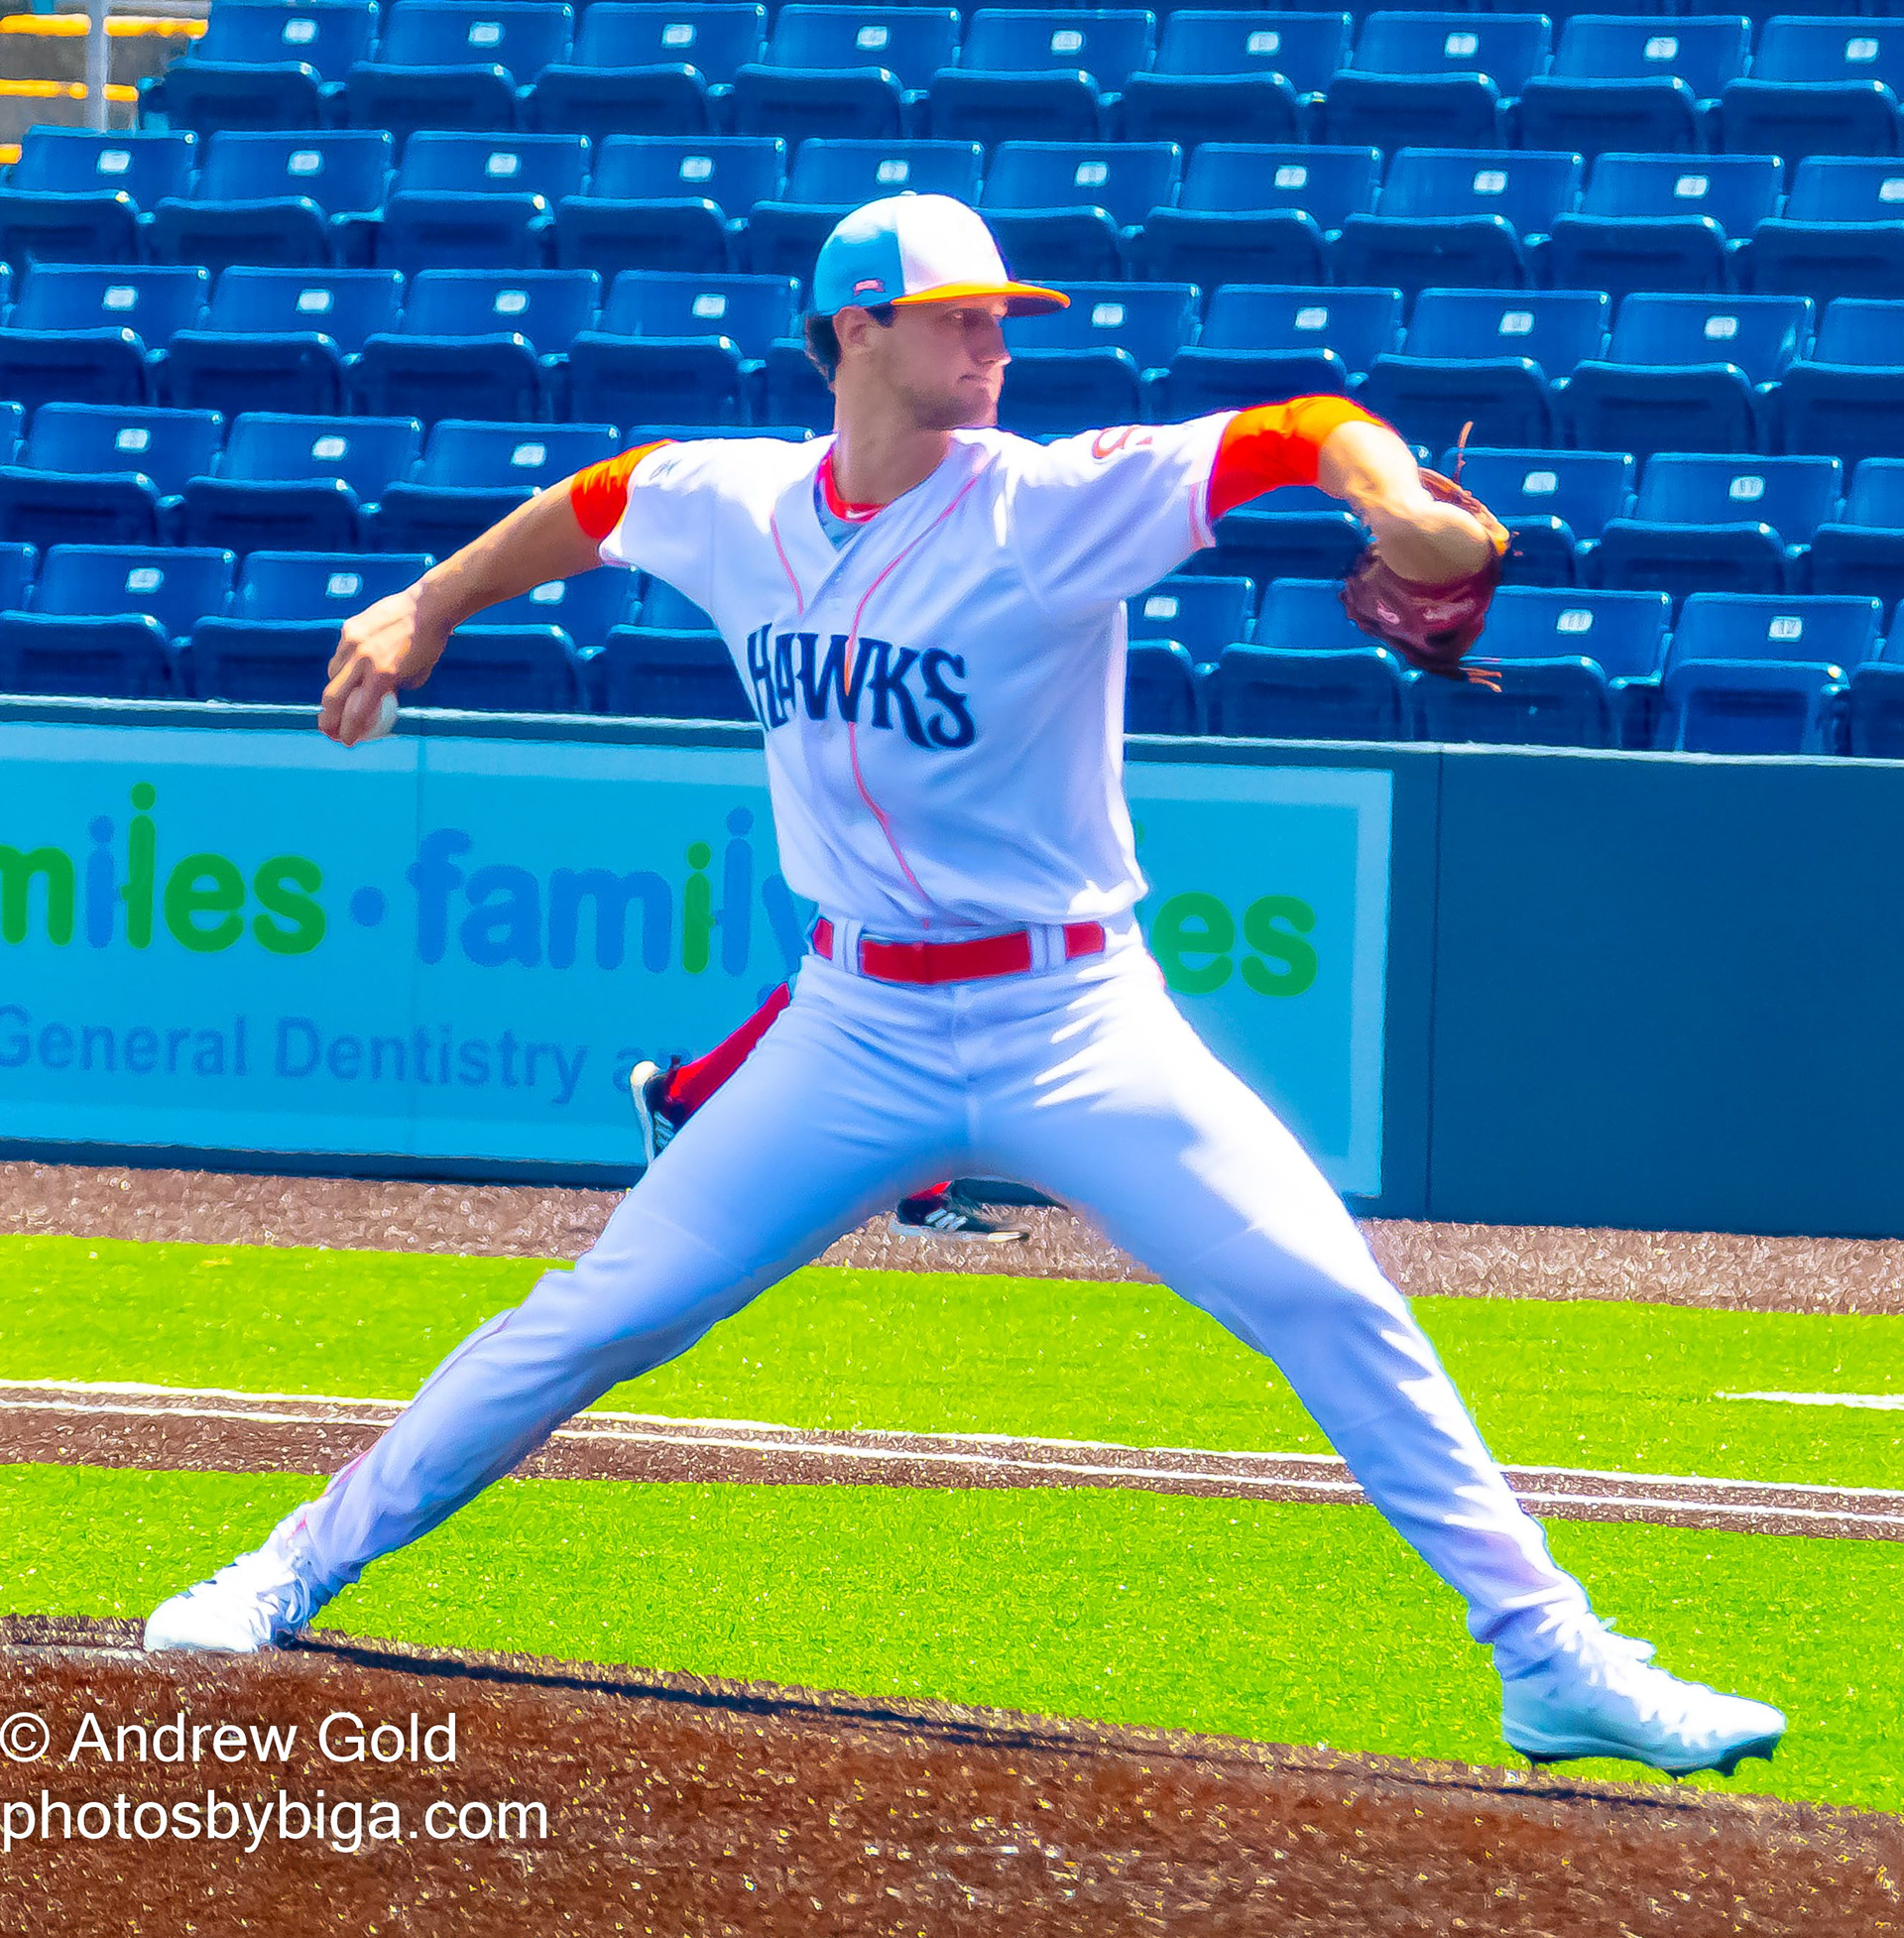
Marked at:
<point>1276,444</point>
<point>600,493</point>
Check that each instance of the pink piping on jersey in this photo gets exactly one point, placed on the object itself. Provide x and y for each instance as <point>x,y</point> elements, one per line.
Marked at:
<point>852,726</point>
<point>799,597</point>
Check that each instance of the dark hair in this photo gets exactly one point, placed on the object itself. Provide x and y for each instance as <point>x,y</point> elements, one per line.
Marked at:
<point>823,340</point>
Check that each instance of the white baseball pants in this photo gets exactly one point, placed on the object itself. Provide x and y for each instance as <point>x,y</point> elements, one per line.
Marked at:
<point>1082,1080</point>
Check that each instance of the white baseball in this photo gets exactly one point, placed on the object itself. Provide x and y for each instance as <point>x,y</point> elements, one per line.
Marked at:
<point>383,722</point>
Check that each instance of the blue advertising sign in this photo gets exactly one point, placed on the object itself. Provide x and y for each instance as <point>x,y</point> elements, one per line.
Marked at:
<point>451,947</point>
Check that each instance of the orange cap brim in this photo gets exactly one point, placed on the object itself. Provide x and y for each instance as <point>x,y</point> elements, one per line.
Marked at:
<point>1020,298</point>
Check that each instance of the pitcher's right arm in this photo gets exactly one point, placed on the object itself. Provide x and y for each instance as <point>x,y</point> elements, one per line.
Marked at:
<point>397,642</point>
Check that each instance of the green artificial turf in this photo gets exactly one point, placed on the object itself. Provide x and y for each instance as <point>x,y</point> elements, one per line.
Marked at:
<point>1287,1623</point>
<point>1589,1383</point>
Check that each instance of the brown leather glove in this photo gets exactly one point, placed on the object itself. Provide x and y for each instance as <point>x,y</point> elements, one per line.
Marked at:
<point>1431,626</point>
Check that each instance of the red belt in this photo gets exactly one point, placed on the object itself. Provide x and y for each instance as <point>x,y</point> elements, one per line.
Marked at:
<point>958,962</point>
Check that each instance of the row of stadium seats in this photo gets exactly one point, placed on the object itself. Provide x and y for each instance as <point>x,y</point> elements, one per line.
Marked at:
<point>297,480</point>
<point>1242,213</point>
<point>1814,84</point>
<point>1676,372</point>
<point>1589,668</point>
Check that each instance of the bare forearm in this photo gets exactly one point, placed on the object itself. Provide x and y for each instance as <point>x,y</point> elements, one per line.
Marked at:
<point>535,542</point>
<point>1368,466</point>
<point>1424,540</point>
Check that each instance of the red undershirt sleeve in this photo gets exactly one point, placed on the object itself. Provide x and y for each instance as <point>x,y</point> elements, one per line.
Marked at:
<point>599,494</point>
<point>1276,444</point>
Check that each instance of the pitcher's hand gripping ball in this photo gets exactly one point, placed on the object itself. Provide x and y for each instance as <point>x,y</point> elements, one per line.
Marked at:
<point>1431,626</point>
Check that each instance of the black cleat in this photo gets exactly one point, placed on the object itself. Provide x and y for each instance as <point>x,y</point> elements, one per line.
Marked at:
<point>647,1090</point>
<point>955,1219</point>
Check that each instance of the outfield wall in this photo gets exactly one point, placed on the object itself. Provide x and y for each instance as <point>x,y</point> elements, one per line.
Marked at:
<point>1508,987</point>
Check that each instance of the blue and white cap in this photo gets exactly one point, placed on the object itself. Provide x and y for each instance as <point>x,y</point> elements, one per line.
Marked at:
<point>919,249</point>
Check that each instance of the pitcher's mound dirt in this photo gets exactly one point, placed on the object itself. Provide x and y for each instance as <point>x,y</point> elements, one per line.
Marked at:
<point>679,1806</point>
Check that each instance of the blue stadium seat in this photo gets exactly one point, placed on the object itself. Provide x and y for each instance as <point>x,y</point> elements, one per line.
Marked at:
<point>1863,550</point>
<point>477,343</point>
<point>1774,628</point>
<point>844,73</point>
<point>1842,233</point>
<point>95,335</point>
<point>1256,214</point>
<point>1202,614</point>
<point>1487,358</point>
<point>1663,222</point>
<point>1435,80</point>
<point>1306,615</point>
<point>1084,367</point>
<point>472,474</point>
<point>1262,342</point>
<point>1039,74</point>
<point>265,64</point>
<point>1458,219</point>
<point>1821,83</point>
<point>1360,693</point>
<point>1290,533</point>
<point>1553,502</point>
<point>174,586</point>
<point>1874,706</point>
<point>280,339</point>
<point>1635,83</point>
<point>295,201</point>
<point>290,479</point>
<point>1577,668</point>
<point>792,390</point>
<point>496,669</point>
<point>1719,525</point>
<point>1749,707</point>
<point>1847,395</point>
<point>648,69</point>
<point>832,177</point>
<point>1681,373</point>
<point>18,563</point>
<point>95,473</point>
<point>668,201</point>
<point>1160,689</point>
<point>284,623</point>
<point>455,64</point>
<point>666,672</point>
<point>1068,210</point>
<point>1625,634</point>
<point>675,345</point>
<point>584,608</point>
<point>1232,76</point>
<point>75,197</point>
<point>104,619</point>
<point>478,201</point>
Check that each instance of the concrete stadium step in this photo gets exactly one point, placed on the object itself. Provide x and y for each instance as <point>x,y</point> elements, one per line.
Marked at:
<point>26,105</point>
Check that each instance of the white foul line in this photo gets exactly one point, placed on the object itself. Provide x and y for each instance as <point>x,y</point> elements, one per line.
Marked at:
<point>1675,1494</point>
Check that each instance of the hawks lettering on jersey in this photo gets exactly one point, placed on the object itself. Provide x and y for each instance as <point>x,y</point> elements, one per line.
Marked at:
<point>896,688</point>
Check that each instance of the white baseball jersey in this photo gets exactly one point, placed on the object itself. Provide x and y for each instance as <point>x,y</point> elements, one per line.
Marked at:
<point>943,694</point>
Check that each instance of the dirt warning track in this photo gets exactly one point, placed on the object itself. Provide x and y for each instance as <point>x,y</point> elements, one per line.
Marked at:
<point>673,1805</point>
<point>134,1425</point>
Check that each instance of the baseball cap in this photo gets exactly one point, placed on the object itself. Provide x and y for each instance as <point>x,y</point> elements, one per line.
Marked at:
<point>919,249</point>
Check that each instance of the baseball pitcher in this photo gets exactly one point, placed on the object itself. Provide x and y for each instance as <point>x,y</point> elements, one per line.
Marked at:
<point>928,614</point>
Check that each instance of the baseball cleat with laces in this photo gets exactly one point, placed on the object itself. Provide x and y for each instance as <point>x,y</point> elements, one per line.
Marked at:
<point>256,1602</point>
<point>947,1215</point>
<point>658,1119</point>
<point>1596,1695</point>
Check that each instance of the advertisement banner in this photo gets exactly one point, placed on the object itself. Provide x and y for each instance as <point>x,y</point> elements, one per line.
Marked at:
<point>451,947</point>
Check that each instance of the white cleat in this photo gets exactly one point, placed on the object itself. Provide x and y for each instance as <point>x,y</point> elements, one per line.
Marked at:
<point>1595,1695</point>
<point>254,1602</point>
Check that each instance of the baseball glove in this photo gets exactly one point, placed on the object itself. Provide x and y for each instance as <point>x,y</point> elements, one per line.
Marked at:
<point>1431,626</point>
